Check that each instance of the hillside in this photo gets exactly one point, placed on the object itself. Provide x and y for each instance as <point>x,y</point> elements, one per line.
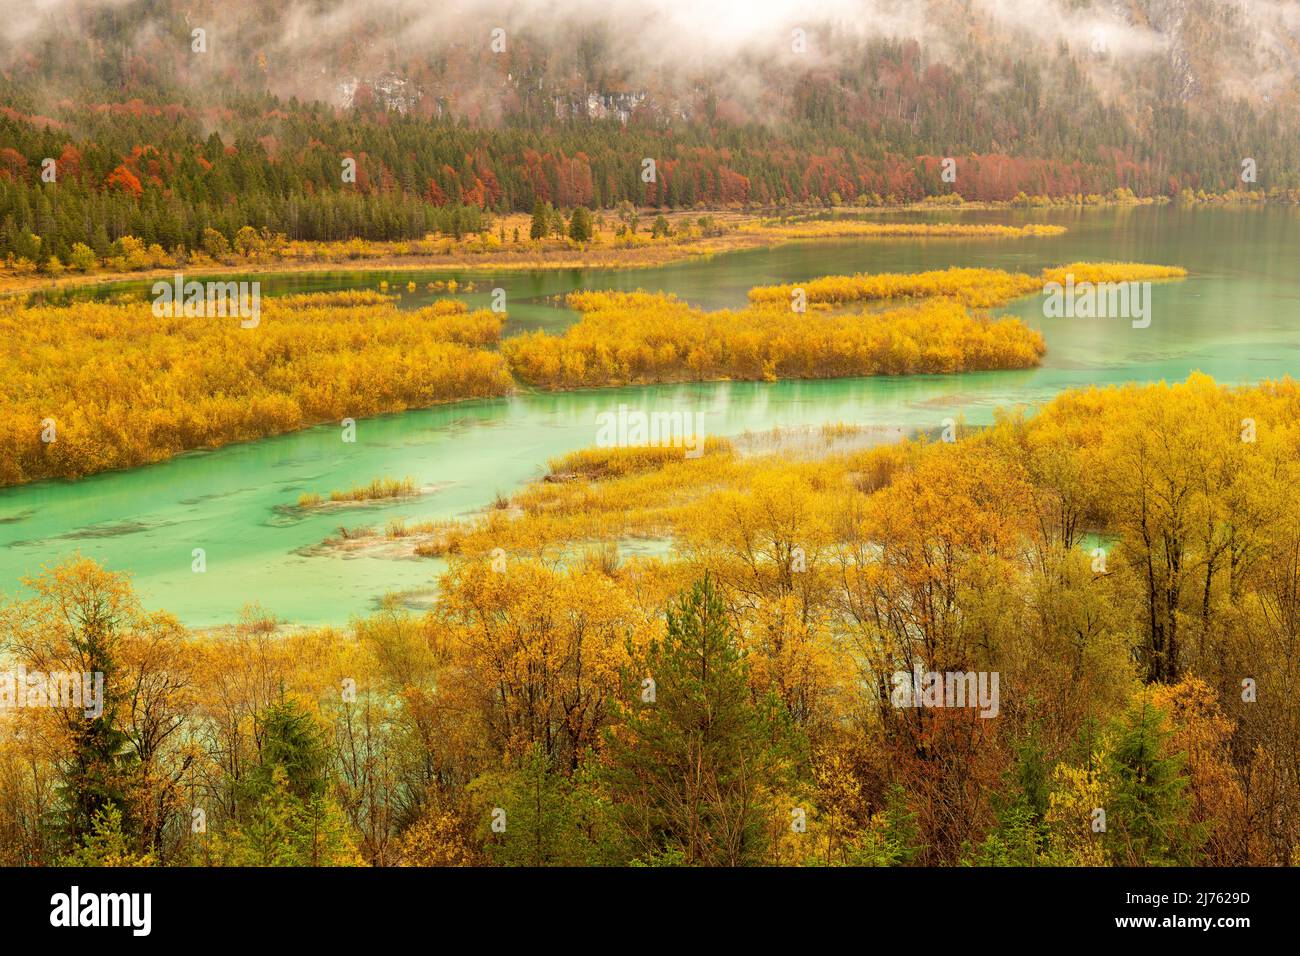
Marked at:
<point>158,139</point>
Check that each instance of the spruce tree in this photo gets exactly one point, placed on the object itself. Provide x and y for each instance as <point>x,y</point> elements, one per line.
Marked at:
<point>1149,825</point>
<point>690,771</point>
<point>580,225</point>
<point>539,813</point>
<point>541,221</point>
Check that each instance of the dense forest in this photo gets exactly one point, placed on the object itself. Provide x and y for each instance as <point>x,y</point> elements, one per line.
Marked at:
<point>148,138</point>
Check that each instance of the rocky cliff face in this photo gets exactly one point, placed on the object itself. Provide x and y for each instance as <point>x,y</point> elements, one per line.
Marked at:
<point>1239,49</point>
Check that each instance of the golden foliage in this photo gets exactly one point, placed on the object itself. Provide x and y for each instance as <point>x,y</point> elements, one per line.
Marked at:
<point>123,387</point>
<point>976,288</point>
<point>617,461</point>
<point>640,337</point>
<point>1098,272</point>
<point>836,569</point>
<point>378,489</point>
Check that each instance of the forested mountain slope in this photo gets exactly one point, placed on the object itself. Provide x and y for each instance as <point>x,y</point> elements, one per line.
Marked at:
<point>161,132</point>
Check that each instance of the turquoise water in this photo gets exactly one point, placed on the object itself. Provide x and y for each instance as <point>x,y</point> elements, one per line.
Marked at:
<point>1237,317</point>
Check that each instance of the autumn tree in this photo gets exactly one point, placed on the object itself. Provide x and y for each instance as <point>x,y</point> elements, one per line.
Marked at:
<point>537,654</point>
<point>215,244</point>
<point>76,624</point>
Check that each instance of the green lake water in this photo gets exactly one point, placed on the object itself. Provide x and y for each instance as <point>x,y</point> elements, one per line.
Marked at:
<point>1237,317</point>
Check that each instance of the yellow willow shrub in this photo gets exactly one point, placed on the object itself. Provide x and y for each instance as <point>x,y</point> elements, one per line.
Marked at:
<point>1076,794</point>
<point>480,537</point>
<point>977,288</point>
<point>771,542</point>
<point>742,516</point>
<point>641,338</point>
<point>241,672</point>
<point>549,518</point>
<point>792,652</point>
<point>705,506</point>
<point>336,298</point>
<point>117,386</point>
<point>378,489</point>
<point>874,468</point>
<point>827,229</point>
<point>452,321</point>
<point>446,307</point>
<point>1113,272</point>
<point>674,482</point>
<point>616,462</point>
<point>772,536</point>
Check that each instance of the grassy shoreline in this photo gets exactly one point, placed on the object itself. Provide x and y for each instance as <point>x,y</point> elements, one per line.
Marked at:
<point>735,232</point>
<point>739,231</point>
